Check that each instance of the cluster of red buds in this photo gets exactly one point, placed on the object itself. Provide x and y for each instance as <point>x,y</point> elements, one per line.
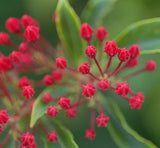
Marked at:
<point>36,55</point>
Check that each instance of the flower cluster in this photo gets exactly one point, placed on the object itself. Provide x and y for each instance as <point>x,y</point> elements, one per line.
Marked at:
<point>34,55</point>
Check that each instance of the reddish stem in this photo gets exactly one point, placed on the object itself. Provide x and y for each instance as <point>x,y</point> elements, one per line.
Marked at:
<point>72,69</point>
<point>6,139</point>
<point>100,50</point>
<point>95,77</point>
<point>14,46</point>
<point>100,106</point>
<point>80,102</point>
<point>115,70</point>
<point>100,70</point>
<point>133,74</point>
<point>108,64</point>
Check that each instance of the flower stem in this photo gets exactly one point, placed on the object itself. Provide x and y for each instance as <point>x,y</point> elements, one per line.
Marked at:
<point>108,64</point>
<point>115,70</point>
<point>100,70</point>
<point>95,77</point>
<point>92,118</point>
<point>6,139</point>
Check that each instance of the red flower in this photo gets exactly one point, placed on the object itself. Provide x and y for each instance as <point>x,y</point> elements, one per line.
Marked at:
<point>47,97</point>
<point>88,90</point>
<point>52,111</point>
<point>135,102</point>
<point>103,84</point>
<point>13,25</point>
<point>57,75</point>
<point>52,136</point>
<point>28,140</point>
<point>123,54</point>
<point>28,92</point>
<point>150,65</point>
<point>132,62</point>
<point>64,103</point>
<point>5,64</point>
<point>90,134</point>
<point>61,63</point>
<point>102,120</point>
<point>71,112</point>
<point>111,48</point>
<point>3,117</point>
<point>84,68</point>
<point>134,51</point>
<point>86,31</point>
<point>101,33</point>
<point>90,51</point>
<point>122,89</point>
<point>4,38</point>
<point>48,80</point>
<point>23,47</point>
<point>23,82</point>
<point>31,33</point>
<point>27,20</point>
<point>15,56</point>
<point>140,95</point>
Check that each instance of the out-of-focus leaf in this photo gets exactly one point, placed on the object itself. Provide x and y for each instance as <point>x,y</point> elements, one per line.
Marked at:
<point>146,33</point>
<point>65,137</point>
<point>39,108</point>
<point>96,10</point>
<point>122,134</point>
<point>68,28</point>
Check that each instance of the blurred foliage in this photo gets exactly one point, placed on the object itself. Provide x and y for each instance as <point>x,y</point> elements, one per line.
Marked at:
<point>146,121</point>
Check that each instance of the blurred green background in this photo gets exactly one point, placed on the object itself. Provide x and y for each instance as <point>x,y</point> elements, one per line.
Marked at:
<point>125,12</point>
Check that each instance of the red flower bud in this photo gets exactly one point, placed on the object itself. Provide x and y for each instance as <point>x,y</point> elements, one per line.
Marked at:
<point>5,64</point>
<point>57,75</point>
<point>64,103</point>
<point>102,120</point>
<point>28,92</point>
<point>47,97</point>
<point>101,33</point>
<point>52,137</point>
<point>103,84</point>
<point>23,82</point>
<point>52,111</point>
<point>123,54</point>
<point>135,102</point>
<point>27,140</point>
<point>13,25</point>
<point>111,48</point>
<point>90,51</point>
<point>150,65</point>
<point>90,134</point>
<point>27,20</point>
<point>3,117</point>
<point>84,68</point>
<point>48,80</point>
<point>15,56</point>
<point>61,63</point>
<point>71,112</point>
<point>88,90</point>
<point>122,89</point>
<point>4,38</point>
<point>140,95</point>
<point>23,47</point>
<point>26,58</point>
<point>134,51</point>
<point>31,33</point>
<point>86,31</point>
<point>132,62</point>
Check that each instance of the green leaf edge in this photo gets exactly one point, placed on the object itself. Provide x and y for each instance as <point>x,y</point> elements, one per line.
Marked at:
<point>137,24</point>
<point>146,52</point>
<point>58,126</point>
<point>129,129</point>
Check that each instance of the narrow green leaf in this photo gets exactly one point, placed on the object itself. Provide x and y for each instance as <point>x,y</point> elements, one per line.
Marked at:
<point>96,10</point>
<point>122,134</point>
<point>39,108</point>
<point>146,33</point>
<point>68,28</point>
<point>65,137</point>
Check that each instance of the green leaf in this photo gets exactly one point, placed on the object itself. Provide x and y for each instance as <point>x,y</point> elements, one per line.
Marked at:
<point>96,10</point>
<point>146,33</point>
<point>120,131</point>
<point>65,137</point>
<point>40,107</point>
<point>68,28</point>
